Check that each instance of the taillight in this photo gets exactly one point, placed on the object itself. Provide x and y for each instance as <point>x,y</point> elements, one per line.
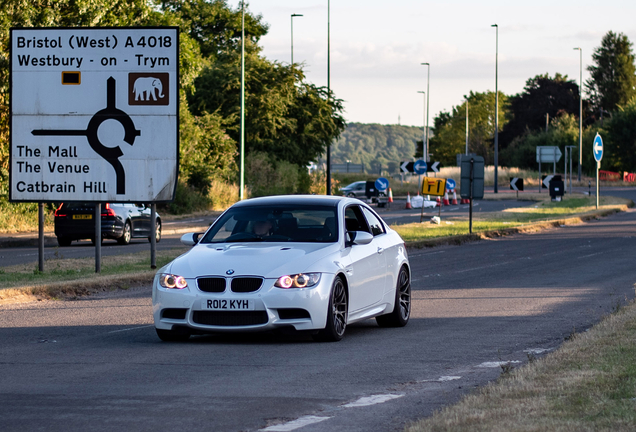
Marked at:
<point>108,211</point>
<point>57,212</point>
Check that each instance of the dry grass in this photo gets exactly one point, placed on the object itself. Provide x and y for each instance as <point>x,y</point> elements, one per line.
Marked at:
<point>589,384</point>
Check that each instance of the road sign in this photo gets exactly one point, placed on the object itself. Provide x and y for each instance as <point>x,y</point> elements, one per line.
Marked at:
<point>516,183</point>
<point>94,114</point>
<point>450,184</point>
<point>434,186</point>
<point>406,166</point>
<point>545,181</point>
<point>472,186</point>
<point>597,148</point>
<point>548,154</point>
<point>435,167</point>
<point>382,184</point>
<point>419,167</point>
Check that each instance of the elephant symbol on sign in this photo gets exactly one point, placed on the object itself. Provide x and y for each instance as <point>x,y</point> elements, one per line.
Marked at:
<point>145,87</point>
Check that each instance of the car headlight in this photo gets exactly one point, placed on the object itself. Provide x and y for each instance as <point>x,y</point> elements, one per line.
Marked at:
<point>300,280</point>
<point>172,281</point>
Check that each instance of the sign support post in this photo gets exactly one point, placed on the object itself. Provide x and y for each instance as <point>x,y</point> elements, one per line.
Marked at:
<point>598,167</point>
<point>41,237</point>
<point>472,186</point>
<point>153,236</point>
<point>98,237</point>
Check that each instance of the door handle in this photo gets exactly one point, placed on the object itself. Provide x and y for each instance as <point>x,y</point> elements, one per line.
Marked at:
<point>380,250</point>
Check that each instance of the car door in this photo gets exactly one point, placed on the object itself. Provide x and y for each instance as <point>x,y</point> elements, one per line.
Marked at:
<point>364,265</point>
<point>385,246</point>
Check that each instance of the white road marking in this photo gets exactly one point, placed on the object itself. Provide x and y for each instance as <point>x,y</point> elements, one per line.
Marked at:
<point>295,424</point>
<point>591,255</point>
<point>497,364</point>
<point>372,400</point>
<point>536,350</point>
<point>132,328</point>
<point>443,379</point>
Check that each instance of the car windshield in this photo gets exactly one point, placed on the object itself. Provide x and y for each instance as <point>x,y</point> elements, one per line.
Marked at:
<point>281,223</point>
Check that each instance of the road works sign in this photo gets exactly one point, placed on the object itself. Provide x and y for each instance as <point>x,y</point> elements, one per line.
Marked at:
<point>94,114</point>
<point>434,186</point>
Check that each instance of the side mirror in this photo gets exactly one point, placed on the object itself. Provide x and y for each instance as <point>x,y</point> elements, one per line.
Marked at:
<point>190,239</point>
<point>360,237</point>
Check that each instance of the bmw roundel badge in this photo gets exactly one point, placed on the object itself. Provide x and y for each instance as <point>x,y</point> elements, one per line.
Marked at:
<point>229,272</point>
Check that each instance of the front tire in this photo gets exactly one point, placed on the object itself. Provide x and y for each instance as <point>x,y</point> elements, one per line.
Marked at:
<point>125,237</point>
<point>402,308</point>
<point>336,314</point>
<point>172,335</point>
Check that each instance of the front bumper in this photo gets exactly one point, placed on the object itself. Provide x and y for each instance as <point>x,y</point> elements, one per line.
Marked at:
<point>300,308</point>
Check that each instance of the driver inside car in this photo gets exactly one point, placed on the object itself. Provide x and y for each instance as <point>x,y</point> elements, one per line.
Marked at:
<point>262,228</point>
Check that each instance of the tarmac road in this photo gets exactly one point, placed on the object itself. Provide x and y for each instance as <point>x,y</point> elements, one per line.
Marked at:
<point>96,364</point>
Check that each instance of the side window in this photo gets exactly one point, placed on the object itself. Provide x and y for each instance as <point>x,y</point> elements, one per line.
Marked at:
<point>354,219</point>
<point>376,226</point>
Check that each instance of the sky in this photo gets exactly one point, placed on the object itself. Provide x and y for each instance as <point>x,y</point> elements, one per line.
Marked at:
<point>377,47</point>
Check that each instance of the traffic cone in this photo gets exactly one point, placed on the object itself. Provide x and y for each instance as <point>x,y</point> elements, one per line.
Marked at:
<point>465,201</point>
<point>446,202</point>
<point>439,202</point>
<point>454,201</point>
<point>408,201</point>
<point>390,196</point>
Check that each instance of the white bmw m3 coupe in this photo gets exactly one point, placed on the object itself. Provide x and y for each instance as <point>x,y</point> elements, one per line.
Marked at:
<point>312,263</point>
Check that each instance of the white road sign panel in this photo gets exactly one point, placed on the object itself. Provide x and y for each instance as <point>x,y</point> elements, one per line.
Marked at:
<point>94,114</point>
<point>548,154</point>
<point>435,166</point>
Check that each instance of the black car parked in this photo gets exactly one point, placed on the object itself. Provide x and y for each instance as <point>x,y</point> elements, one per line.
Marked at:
<point>121,222</point>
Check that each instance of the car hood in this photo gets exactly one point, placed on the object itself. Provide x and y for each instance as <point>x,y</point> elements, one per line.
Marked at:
<point>270,260</point>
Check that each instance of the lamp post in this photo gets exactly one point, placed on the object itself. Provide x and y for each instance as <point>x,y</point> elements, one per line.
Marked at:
<point>496,104</point>
<point>242,150</point>
<point>580,110</point>
<point>292,37</point>
<point>423,125</point>
<point>466,125</point>
<point>328,94</point>
<point>428,81</point>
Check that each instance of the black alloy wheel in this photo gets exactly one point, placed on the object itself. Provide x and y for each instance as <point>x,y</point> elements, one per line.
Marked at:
<point>336,314</point>
<point>401,313</point>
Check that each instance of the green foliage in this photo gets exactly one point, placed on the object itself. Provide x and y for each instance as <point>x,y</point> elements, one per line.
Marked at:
<point>375,144</point>
<point>450,128</point>
<point>563,131</point>
<point>187,200</point>
<point>542,95</point>
<point>266,176</point>
<point>619,140</point>
<point>613,75</point>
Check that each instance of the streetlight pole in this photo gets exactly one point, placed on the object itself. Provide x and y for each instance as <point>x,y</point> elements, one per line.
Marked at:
<point>496,104</point>
<point>292,38</point>
<point>428,92</point>
<point>328,93</point>
<point>580,110</point>
<point>423,125</point>
<point>242,150</point>
<point>466,125</point>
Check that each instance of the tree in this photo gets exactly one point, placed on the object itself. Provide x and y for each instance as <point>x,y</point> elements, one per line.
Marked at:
<point>450,128</point>
<point>619,139</point>
<point>541,95</point>
<point>613,79</point>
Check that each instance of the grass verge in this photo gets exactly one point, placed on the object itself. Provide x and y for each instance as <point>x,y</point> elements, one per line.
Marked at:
<point>68,278</point>
<point>546,214</point>
<point>588,384</point>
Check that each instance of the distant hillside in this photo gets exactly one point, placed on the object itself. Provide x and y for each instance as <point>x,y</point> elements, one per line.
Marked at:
<point>375,144</point>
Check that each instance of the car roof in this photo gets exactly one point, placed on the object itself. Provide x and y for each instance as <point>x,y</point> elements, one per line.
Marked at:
<point>321,200</point>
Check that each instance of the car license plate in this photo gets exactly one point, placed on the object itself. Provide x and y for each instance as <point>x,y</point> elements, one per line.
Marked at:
<point>227,304</point>
<point>83,216</point>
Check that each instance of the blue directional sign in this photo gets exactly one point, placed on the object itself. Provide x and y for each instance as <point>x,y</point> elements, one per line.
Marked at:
<point>597,148</point>
<point>419,167</point>
<point>382,184</point>
<point>450,184</point>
